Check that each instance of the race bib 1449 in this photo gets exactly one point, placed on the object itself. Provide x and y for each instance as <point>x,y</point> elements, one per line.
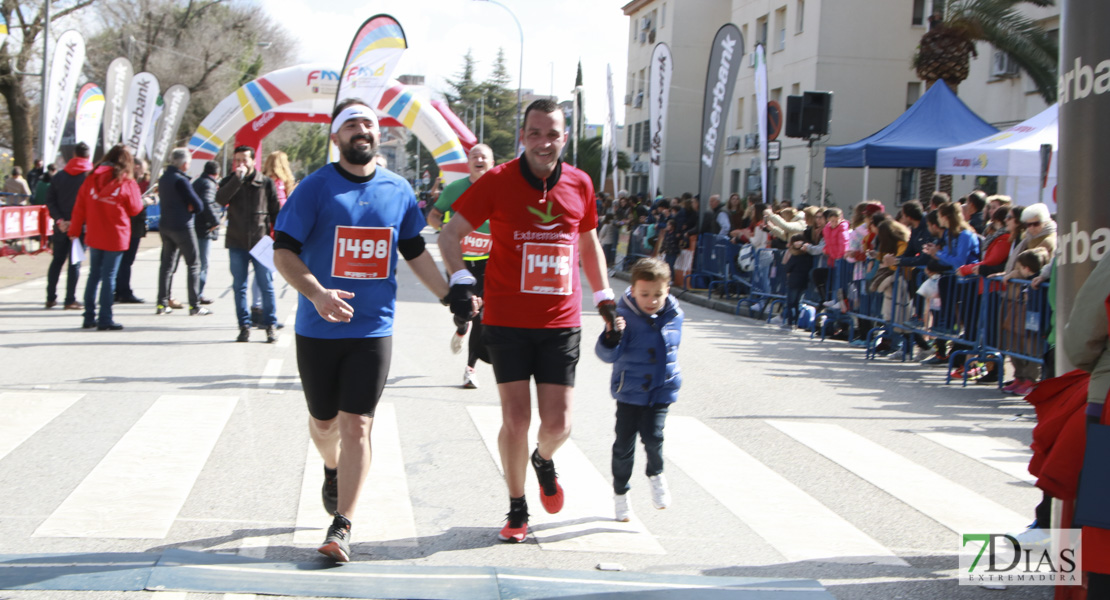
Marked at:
<point>362,252</point>
<point>546,269</point>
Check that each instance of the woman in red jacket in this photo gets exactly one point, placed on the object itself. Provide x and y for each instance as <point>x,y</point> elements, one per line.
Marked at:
<point>105,204</point>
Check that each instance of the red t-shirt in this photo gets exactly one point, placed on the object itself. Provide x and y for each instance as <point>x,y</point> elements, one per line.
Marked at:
<point>532,277</point>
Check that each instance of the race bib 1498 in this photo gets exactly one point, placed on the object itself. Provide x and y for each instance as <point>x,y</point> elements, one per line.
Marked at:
<point>546,269</point>
<point>362,252</point>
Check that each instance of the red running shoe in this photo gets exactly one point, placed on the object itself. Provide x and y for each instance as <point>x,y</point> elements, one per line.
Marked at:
<point>516,528</point>
<point>551,493</point>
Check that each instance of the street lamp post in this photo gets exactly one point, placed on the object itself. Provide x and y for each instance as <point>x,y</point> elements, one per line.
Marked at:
<point>520,71</point>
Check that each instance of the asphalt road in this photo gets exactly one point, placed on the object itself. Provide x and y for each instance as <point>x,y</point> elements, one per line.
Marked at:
<point>787,457</point>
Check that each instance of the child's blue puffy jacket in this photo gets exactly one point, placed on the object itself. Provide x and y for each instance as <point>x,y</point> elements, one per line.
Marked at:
<point>645,363</point>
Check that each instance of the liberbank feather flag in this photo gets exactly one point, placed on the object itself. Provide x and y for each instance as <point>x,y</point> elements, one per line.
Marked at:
<point>138,113</point>
<point>761,117</point>
<point>155,123</point>
<point>3,30</point>
<point>69,57</point>
<point>609,133</point>
<point>724,61</point>
<point>658,98</point>
<point>90,110</point>
<point>120,73</point>
<point>174,102</point>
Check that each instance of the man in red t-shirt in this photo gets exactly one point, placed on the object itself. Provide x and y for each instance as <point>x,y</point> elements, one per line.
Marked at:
<point>543,220</point>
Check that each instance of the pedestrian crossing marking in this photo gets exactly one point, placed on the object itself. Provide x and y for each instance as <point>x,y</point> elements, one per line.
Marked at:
<point>586,522</point>
<point>796,524</point>
<point>27,412</point>
<point>1002,454</point>
<point>254,547</point>
<point>139,487</point>
<point>384,511</point>
<point>270,373</point>
<point>938,498</point>
<point>284,341</point>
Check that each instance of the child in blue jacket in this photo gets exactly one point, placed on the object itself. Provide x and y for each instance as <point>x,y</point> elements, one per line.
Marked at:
<point>644,351</point>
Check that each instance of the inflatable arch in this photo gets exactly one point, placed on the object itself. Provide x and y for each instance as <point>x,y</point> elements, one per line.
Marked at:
<point>306,93</point>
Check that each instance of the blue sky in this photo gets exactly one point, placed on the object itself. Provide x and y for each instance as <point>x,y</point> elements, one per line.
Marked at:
<point>439,32</point>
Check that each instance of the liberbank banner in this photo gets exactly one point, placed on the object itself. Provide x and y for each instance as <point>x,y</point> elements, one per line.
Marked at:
<point>174,102</point>
<point>138,113</point>
<point>658,98</point>
<point>120,73</point>
<point>724,62</point>
<point>1083,217</point>
<point>69,57</point>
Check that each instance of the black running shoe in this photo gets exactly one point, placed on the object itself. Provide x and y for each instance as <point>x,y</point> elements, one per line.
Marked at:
<point>338,543</point>
<point>551,493</point>
<point>331,490</point>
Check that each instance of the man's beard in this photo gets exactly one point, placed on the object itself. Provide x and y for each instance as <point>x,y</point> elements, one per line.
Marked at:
<point>356,156</point>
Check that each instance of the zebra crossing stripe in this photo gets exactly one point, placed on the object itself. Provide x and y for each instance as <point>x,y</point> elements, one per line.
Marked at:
<point>285,340</point>
<point>938,498</point>
<point>797,525</point>
<point>586,522</point>
<point>1002,454</point>
<point>150,471</point>
<point>384,511</point>
<point>270,373</point>
<point>27,412</point>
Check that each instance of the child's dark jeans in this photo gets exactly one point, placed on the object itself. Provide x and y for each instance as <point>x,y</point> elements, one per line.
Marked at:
<point>647,421</point>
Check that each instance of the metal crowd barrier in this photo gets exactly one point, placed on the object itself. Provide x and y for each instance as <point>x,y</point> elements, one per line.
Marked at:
<point>23,223</point>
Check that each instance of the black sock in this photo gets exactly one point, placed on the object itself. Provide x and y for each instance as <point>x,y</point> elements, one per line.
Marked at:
<point>331,473</point>
<point>537,460</point>
<point>518,504</point>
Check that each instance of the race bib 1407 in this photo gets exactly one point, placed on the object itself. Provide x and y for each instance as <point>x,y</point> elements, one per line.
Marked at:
<point>362,252</point>
<point>546,269</point>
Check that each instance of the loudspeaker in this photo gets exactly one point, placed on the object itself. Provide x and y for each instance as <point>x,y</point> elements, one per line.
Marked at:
<point>792,120</point>
<point>816,111</point>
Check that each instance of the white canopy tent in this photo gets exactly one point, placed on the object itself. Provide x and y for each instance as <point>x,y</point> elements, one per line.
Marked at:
<point>1013,154</point>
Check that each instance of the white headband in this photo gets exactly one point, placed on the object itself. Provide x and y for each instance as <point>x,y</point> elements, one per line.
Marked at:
<point>354,111</point>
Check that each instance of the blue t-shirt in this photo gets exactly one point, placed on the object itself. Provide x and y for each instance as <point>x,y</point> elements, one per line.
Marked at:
<point>349,233</point>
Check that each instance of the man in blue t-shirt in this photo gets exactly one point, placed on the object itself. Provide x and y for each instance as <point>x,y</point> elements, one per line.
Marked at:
<point>336,242</point>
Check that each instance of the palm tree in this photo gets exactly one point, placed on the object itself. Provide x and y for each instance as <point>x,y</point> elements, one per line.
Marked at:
<point>945,51</point>
<point>589,160</point>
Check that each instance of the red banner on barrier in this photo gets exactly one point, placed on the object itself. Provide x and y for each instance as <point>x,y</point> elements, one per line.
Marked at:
<point>17,222</point>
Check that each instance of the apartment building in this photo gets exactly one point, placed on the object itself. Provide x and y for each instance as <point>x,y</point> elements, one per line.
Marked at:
<point>860,50</point>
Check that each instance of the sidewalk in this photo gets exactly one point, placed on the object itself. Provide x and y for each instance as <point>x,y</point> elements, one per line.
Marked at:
<point>25,267</point>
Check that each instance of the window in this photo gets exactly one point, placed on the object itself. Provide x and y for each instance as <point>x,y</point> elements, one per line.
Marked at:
<point>787,183</point>
<point>918,12</point>
<point>663,16</point>
<point>795,90</point>
<point>636,137</point>
<point>913,92</point>
<point>755,114</point>
<point>776,95</point>
<point>740,112</point>
<point>761,31</point>
<point>800,16</point>
<point>780,29</point>
<point>734,182</point>
<point>645,142</point>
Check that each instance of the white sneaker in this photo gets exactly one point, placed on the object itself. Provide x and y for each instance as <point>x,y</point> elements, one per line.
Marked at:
<point>622,508</point>
<point>456,343</point>
<point>1033,536</point>
<point>775,320</point>
<point>660,494</point>
<point>470,379</point>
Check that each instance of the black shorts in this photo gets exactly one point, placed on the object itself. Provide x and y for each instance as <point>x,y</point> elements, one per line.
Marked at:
<point>549,355</point>
<point>343,375</point>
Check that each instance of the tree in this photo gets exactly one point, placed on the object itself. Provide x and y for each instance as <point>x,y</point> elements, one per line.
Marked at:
<point>945,50</point>
<point>589,160</point>
<point>211,47</point>
<point>16,55</point>
<point>309,149</point>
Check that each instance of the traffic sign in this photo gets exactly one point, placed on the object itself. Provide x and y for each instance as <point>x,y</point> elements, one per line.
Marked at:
<point>774,120</point>
<point>774,150</point>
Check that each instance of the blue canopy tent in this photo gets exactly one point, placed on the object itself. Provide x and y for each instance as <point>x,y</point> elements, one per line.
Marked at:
<point>937,120</point>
